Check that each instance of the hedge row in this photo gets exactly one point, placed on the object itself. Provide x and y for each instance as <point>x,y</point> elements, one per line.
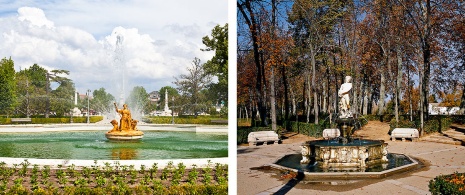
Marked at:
<point>434,124</point>
<point>93,119</point>
<point>183,120</point>
<point>448,184</point>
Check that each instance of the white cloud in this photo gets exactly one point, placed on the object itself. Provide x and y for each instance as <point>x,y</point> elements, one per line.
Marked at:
<point>80,36</point>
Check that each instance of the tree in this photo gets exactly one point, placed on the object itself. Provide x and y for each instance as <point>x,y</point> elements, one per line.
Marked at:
<point>190,85</point>
<point>218,65</point>
<point>102,101</point>
<point>7,85</point>
<point>139,99</point>
<point>313,22</point>
<point>172,92</point>
<point>62,98</point>
<point>54,76</point>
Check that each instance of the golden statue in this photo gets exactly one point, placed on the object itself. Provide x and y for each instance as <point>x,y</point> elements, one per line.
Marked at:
<point>126,120</point>
<point>127,126</point>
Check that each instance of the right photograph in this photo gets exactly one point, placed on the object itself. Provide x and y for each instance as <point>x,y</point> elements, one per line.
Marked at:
<point>350,97</point>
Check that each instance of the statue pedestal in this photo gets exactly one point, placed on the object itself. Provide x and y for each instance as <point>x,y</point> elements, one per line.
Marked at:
<point>124,135</point>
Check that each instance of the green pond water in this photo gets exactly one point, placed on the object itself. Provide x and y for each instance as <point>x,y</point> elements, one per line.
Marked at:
<point>93,145</point>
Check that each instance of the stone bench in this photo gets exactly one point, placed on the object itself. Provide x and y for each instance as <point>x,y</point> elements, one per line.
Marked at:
<point>262,137</point>
<point>21,120</point>
<point>331,133</point>
<point>404,133</point>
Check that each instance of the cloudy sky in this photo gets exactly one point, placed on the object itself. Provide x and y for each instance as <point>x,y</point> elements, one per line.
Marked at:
<point>160,38</point>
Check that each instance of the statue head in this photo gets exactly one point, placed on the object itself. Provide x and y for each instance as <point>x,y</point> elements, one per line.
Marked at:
<point>125,106</point>
<point>348,79</point>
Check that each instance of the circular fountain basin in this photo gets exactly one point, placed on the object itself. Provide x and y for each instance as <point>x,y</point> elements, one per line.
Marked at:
<point>125,136</point>
<point>93,145</point>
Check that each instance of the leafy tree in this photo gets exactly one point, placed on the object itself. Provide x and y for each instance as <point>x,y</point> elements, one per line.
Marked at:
<point>7,85</point>
<point>172,92</point>
<point>139,99</point>
<point>190,85</point>
<point>102,101</point>
<point>218,65</point>
<point>62,98</point>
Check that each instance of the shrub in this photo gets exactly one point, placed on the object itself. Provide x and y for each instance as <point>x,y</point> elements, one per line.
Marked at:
<point>204,120</point>
<point>448,184</point>
<point>309,129</point>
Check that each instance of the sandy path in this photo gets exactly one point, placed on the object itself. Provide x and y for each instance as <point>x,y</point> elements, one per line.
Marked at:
<point>374,130</point>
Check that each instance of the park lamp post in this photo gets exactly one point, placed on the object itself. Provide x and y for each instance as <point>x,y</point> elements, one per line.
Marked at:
<point>88,109</point>
<point>172,110</point>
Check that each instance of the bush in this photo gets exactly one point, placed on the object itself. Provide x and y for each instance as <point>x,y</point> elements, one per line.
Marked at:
<point>436,123</point>
<point>309,129</point>
<point>204,120</point>
<point>41,120</point>
<point>243,133</point>
<point>448,184</point>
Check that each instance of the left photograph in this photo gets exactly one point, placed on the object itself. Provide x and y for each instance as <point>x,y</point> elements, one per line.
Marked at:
<point>106,97</point>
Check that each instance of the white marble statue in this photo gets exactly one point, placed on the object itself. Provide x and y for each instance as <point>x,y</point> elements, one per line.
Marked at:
<point>344,104</point>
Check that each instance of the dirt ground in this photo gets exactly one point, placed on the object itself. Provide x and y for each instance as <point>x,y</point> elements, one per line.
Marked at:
<point>373,130</point>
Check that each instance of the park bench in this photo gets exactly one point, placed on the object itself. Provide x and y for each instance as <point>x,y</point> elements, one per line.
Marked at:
<point>21,120</point>
<point>404,133</point>
<point>331,133</point>
<point>262,137</point>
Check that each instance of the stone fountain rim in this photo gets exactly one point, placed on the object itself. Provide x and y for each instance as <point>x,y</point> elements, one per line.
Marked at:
<point>351,175</point>
<point>375,142</point>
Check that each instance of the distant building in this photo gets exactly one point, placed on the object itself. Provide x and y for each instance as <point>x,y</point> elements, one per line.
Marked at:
<point>154,97</point>
<point>435,109</point>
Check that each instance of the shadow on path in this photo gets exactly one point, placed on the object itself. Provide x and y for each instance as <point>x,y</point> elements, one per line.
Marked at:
<point>291,184</point>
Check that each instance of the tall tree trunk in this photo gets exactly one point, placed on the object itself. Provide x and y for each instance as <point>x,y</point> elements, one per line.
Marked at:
<point>315,95</point>
<point>399,81</point>
<point>365,100</point>
<point>272,101</point>
<point>381,95</point>
<point>309,97</point>
<point>286,95</point>
<point>252,23</point>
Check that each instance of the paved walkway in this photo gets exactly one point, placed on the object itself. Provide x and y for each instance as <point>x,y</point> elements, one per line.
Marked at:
<point>437,159</point>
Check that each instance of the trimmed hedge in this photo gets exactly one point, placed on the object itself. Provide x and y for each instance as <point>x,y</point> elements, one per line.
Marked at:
<point>310,129</point>
<point>93,119</point>
<point>436,123</point>
<point>448,184</point>
<point>203,120</point>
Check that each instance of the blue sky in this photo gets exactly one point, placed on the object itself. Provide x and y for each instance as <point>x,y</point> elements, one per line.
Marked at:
<point>161,38</point>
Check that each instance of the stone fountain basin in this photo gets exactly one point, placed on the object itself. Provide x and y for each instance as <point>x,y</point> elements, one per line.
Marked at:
<point>331,154</point>
<point>397,163</point>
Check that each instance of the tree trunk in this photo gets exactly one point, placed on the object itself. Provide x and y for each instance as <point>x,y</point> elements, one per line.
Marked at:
<point>315,95</point>
<point>272,101</point>
<point>399,81</point>
<point>365,100</point>
<point>381,95</point>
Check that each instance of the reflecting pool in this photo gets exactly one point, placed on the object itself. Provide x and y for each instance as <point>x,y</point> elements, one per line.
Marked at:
<point>93,145</point>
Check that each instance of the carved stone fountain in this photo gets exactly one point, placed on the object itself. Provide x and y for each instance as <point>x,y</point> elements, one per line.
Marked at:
<point>126,130</point>
<point>344,152</point>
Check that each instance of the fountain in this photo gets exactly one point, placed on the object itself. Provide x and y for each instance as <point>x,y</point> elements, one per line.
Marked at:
<point>342,156</point>
<point>344,152</point>
<point>127,129</point>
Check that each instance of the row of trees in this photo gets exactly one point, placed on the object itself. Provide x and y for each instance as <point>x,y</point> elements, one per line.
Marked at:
<point>29,92</point>
<point>294,54</point>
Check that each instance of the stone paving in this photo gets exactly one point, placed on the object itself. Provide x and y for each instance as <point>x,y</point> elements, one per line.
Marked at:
<point>438,156</point>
